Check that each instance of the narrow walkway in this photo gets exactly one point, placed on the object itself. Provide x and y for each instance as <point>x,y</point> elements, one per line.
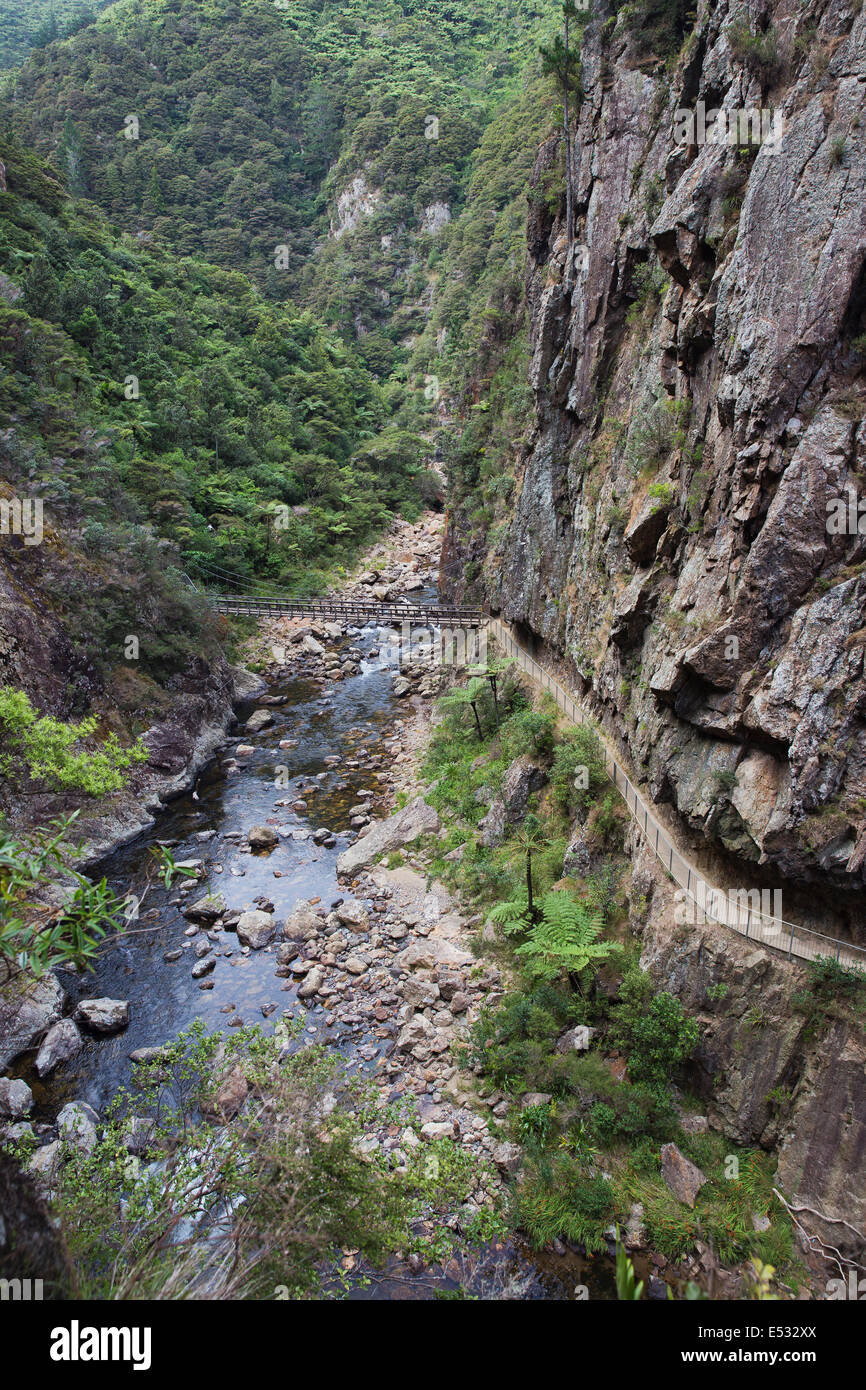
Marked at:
<point>733,908</point>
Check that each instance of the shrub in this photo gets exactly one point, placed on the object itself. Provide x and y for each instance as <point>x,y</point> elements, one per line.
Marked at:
<point>660,1040</point>
<point>578,748</point>
<point>46,750</point>
<point>558,1199</point>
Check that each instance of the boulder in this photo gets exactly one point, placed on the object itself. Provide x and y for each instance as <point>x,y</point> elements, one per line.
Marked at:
<point>420,993</point>
<point>16,1098</point>
<point>258,720</point>
<point>354,915</point>
<point>302,924</point>
<point>28,1007</point>
<point>683,1177</point>
<point>576,1039</point>
<point>62,1041</point>
<point>206,909</point>
<point>491,828</point>
<point>386,835</point>
<point>262,837</point>
<point>231,1095</point>
<point>103,1015</point>
<point>312,984</point>
<point>521,779</point>
<point>76,1125</point>
<point>417,1030</point>
<point>256,929</point>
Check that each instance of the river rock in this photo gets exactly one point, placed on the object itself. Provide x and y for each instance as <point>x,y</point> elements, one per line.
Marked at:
<point>683,1177</point>
<point>508,1158</point>
<point>417,1030</point>
<point>103,1015</point>
<point>386,835</point>
<point>62,1041</point>
<point>76,1125</point>
<point>256,929</point>
<point>44,1163</point>
<point>312,984</point>
<point>231,1095</point>
<point>354,915</point>
<point>302,924</point>
<point>203,967</point>
<point>262,837</point>
<point>16,1098</point>
<point>207,909</point>
<point>309,644</point>
<point>258,720</point>
<point>420,993</point>
<point>28,1007</point>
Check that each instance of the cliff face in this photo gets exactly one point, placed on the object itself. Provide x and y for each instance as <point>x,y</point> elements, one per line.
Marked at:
<point>698,375</point>
<point>779,1064</point>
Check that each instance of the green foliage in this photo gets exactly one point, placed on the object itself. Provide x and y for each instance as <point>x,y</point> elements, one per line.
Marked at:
<point>47,751</point>
<point>34,935</point>
<point>562,934</point>
<point>659,1035</point>
<point>560,1200</point>
<point>628,1289</point>
<point>241,1208</point>
<point>29,24</point>
<point>578,749</point>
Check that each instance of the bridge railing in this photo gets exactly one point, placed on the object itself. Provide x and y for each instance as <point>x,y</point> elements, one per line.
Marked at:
<point>396,611</point>
<point>713,904</point>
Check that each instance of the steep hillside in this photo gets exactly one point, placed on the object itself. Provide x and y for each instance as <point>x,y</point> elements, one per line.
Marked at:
<point>698,389</point>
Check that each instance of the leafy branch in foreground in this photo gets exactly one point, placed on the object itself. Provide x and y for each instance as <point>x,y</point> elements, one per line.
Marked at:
<point>37,935</point>
<point>48,751</point>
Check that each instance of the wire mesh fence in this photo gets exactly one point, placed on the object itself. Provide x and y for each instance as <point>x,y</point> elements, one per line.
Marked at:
<point>735,908</point>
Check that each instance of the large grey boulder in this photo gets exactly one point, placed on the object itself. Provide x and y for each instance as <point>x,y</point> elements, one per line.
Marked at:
<point>16,1098</point>
<point>683,1177</point>
<point>28,1007</point>
<point>103,1015</point>
<point>384,836</point>
<point>522,778</point>
<point>62,1041</point>
<point>76,1125</point>
<point>256,929</point>
<point>258,720</point>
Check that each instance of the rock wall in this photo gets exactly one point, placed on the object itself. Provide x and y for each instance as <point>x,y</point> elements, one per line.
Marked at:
<point>699,400</point>
<point>774,1072</point>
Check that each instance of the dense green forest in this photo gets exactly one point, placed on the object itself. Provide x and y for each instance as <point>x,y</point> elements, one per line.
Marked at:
<point>29,24</point>
<point>264,429</point>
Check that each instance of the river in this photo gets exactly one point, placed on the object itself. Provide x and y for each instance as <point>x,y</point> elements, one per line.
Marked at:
<point>342,738</point>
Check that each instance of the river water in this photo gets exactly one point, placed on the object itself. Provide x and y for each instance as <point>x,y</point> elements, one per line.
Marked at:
<point>355,720</point>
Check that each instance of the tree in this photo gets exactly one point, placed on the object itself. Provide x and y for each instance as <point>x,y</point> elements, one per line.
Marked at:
<point>563,62</point>
<point>562,934</point>
<point>467,696</point>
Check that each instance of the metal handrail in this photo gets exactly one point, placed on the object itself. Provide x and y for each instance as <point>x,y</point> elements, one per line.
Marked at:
<point>790,937</point>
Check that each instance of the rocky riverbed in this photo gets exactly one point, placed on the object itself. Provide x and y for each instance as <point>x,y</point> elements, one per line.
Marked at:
<point>291,912</point>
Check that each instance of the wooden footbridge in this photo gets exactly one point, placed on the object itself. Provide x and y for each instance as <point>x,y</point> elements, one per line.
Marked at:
<point>357,613</point>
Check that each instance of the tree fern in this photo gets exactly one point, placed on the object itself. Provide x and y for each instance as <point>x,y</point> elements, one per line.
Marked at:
<point>564,938</point>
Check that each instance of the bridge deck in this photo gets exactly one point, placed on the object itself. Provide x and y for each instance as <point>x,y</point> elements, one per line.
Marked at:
<point>342,610</point>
